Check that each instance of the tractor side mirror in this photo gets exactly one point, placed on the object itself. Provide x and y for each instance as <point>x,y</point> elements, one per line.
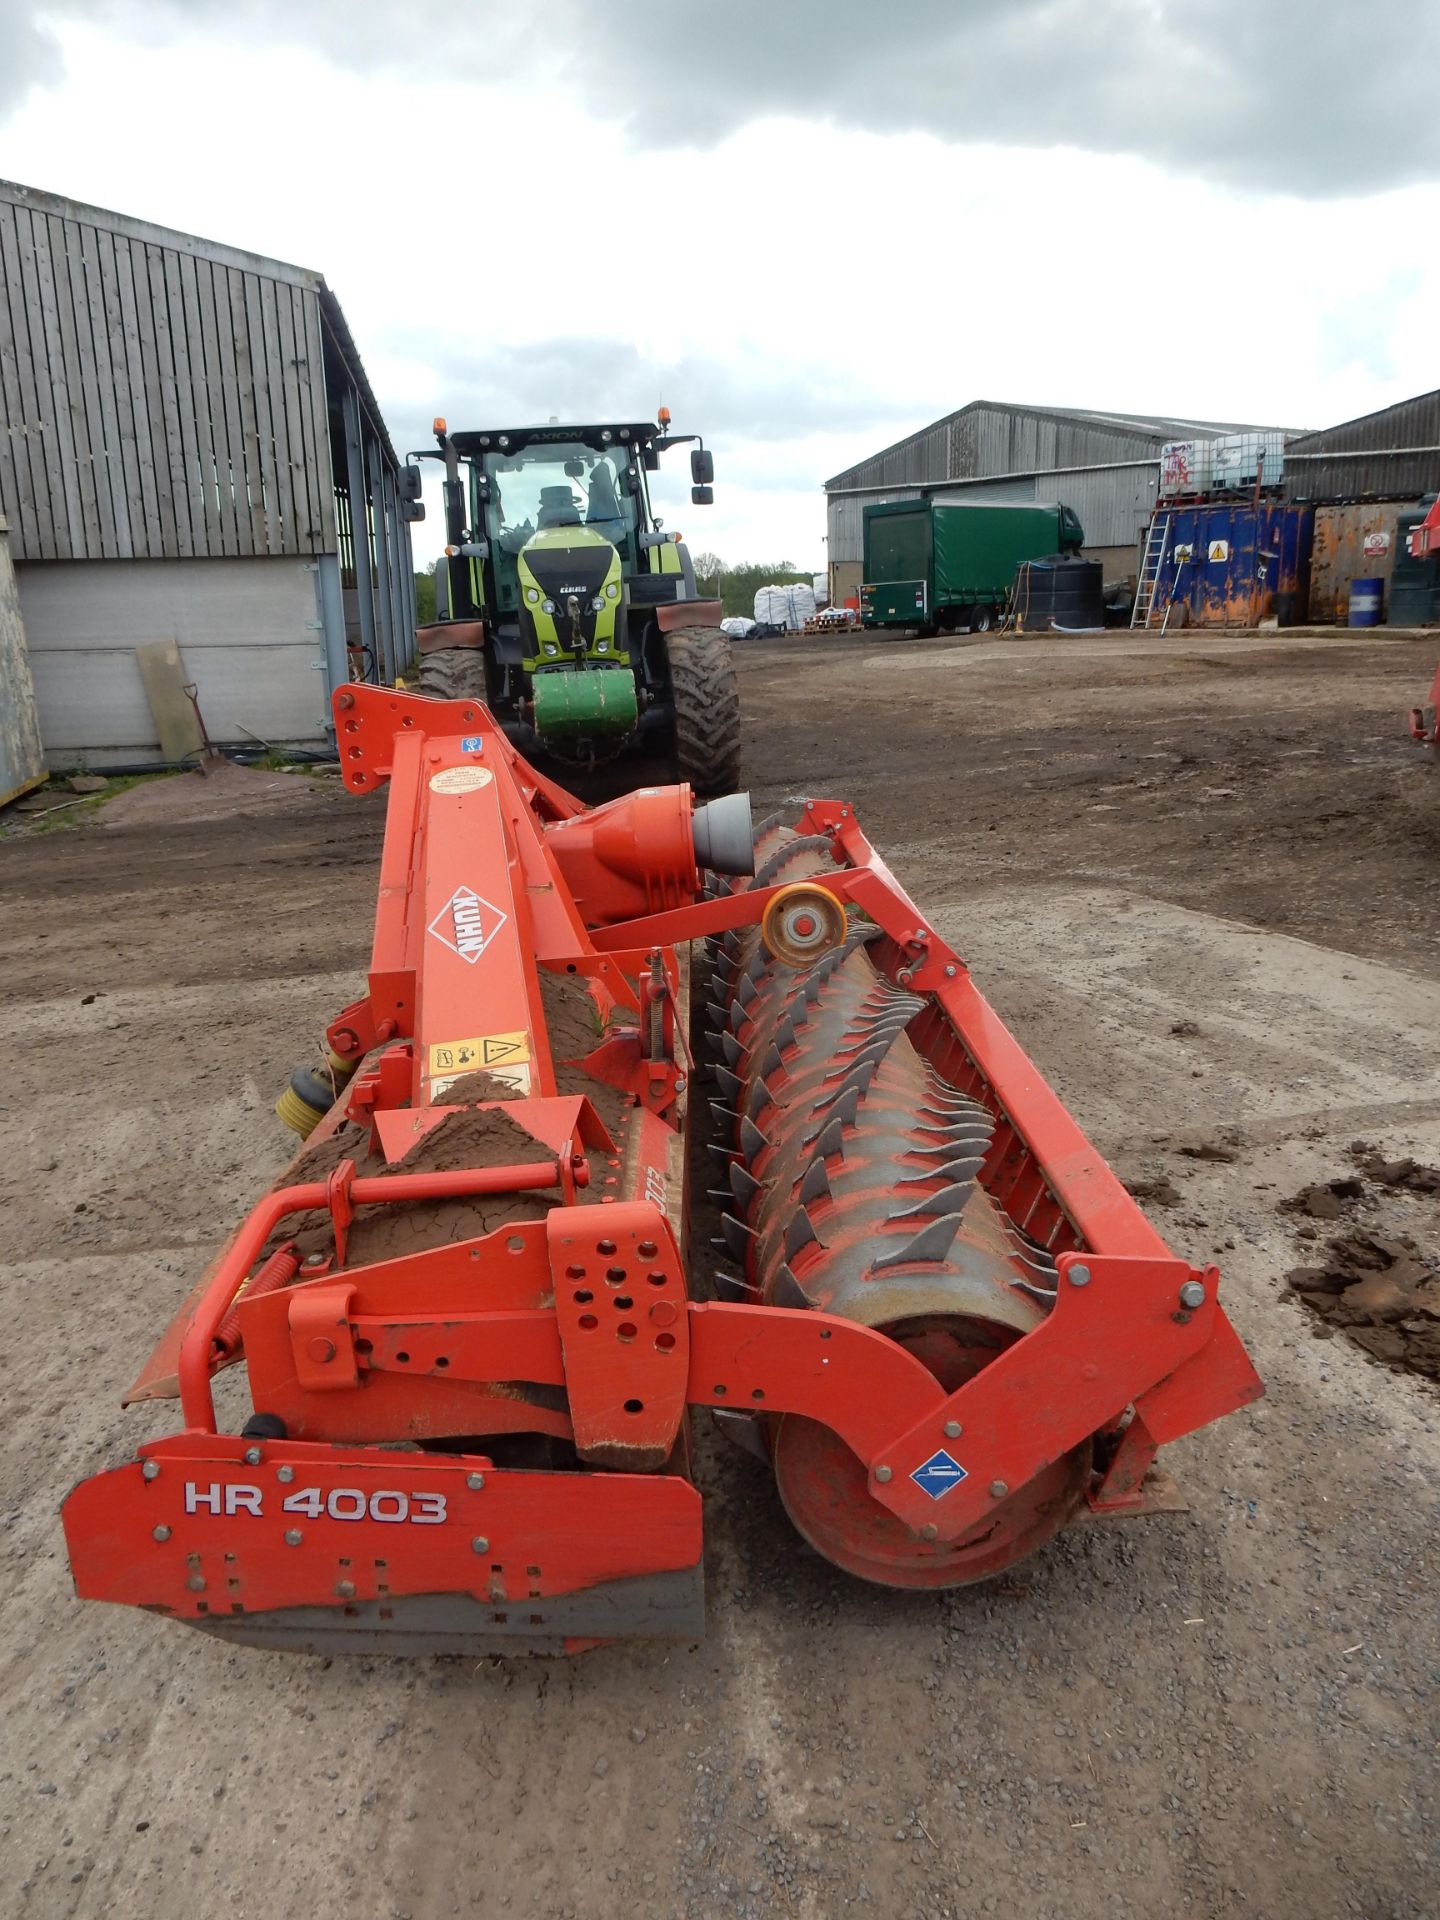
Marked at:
<point>702,496</point>
<point>652,460</point>
<point>702,467</point>
<point>412,509</point>
<point>409,482</point>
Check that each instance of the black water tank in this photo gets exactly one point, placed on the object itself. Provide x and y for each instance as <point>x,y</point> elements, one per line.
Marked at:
<point>1059,591</point>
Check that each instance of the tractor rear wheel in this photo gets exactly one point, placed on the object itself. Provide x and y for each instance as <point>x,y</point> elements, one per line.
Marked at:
<point>707,709</point>
<point>453,673</point>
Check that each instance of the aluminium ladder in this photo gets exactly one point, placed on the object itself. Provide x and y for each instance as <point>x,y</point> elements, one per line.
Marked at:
<point>1153,559</point>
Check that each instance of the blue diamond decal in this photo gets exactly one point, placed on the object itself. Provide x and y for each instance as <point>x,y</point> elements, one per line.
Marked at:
<point>939,1475</point>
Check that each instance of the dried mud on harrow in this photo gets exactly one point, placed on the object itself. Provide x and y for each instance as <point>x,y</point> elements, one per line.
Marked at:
<point>466,1317</point>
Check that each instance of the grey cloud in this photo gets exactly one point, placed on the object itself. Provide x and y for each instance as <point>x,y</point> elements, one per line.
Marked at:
<point>29,56</point>
<point>1313,97</point>
<point>585,379</point>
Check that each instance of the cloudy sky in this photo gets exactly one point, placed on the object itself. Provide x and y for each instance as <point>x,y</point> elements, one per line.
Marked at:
<point>808,226</point>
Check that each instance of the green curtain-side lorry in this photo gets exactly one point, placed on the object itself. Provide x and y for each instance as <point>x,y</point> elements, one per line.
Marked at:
<point>938,566</point>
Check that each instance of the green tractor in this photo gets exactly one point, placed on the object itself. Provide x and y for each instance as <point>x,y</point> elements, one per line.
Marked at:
<point>563,604</point>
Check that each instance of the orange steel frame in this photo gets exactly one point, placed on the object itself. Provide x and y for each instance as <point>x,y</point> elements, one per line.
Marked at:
<point>355,1358</point>
<point>1424,724</point>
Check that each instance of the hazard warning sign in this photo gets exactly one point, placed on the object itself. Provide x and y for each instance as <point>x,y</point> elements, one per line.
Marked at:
<point>486,1050</point>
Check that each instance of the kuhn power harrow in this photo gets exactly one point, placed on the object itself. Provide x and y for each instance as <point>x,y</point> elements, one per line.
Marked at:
<point>470,1343</point>
<point>1424,722</point>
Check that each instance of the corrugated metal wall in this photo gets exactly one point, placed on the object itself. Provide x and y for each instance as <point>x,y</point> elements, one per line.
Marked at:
<point>163,399</point>
<point>1377,465</point>
<point>1114,506</point>
<point>1017,441</point>
<point>984,440</point>
<point>22,763</point>
<point>248,634</point>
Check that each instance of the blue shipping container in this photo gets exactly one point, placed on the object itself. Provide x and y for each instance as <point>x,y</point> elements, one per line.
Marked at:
<point>1233,566</point>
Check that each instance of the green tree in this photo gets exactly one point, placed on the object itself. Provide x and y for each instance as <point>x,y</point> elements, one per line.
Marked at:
<point>424,598</point>
<point>735,586</point>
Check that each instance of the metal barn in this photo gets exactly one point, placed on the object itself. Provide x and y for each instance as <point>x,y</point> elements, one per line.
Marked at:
<point>1390,455</point>
<point>1104,465</point>
<point>192,453</point>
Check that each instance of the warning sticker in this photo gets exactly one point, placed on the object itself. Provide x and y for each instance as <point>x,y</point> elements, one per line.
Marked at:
<point>460,780</point>
<point>473,743</point>
<point>1218,550</point>
<point>486,1050</point>
<point>467,922</point>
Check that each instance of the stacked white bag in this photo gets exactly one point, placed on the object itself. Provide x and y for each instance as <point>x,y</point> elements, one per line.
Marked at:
<point>789,606</point>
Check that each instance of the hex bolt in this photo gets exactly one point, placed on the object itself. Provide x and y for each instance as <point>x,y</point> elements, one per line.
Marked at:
<point>479,1544</point>
<point>882,1474</point>
<point>998,1489</point>
<point>474,1481</point>
<point>196,1583</point>
<point>161,1534</point>
<point>150,1470</point>
<point>345,1589</point>
<point>292,1536</point>
<point>953,1429</point>
<point>253,1456</point>
<point>951,970</point>
<point>287,1474</point>
<point>1192,1294</point>
<point>1079,1276</point>
<point>929,1531</point>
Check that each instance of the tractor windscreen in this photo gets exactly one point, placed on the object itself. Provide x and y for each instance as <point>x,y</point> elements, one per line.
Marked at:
<point>560,484</point>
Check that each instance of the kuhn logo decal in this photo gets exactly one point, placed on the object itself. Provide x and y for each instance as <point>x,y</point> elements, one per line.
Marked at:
<point>467,924</point>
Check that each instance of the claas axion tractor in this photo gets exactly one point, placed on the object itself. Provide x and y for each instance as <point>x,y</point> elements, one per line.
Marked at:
<point>437,1391</point>
<point>564,604</point>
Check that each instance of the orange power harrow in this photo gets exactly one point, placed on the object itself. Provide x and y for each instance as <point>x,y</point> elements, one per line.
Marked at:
<point>465,1319</point>
<point>1424,722</point>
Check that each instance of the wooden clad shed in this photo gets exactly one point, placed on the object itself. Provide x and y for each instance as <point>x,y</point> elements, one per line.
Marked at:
<point>191,452</point>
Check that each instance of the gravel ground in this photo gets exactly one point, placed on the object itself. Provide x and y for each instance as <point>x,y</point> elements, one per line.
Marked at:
<point>1198,883</point>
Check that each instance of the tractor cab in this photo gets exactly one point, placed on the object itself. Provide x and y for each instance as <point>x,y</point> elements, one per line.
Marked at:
<point>524,481</point>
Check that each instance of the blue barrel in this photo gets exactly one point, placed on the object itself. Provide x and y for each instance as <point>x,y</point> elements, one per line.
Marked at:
<point>1365,597</point>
